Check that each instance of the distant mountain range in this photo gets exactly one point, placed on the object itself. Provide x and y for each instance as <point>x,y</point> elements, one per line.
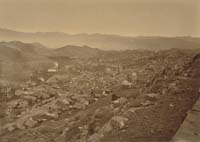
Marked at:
<point>101,41</point>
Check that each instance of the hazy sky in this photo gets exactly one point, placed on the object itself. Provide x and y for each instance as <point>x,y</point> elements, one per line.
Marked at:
<point>126,17</point>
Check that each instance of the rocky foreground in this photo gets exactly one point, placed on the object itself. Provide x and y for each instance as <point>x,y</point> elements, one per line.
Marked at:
<point>144,96</point>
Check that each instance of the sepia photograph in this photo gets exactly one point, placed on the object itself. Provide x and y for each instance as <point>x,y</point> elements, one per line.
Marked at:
<point>99,70</point>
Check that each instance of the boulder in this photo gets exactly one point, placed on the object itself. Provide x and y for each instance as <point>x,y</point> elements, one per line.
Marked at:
<point>134,109</point>
<point>146,103</point>
<point>134,76</point>
<point>103,113</point>
<point>10,127</point>
<point>19,92</point>
<point>114,97</point>
<point>43,95</point>
<point>31,98</point>
<point>20,124</point>
<point>66,101</point>
<point>105,93</point>
<point>83,101</point>
<point>23,104</point>
<point>13,104</point>
<point>107,128</point>
<point>126,84</point>
<point>152,96</point>
<point>95,137</point>
<point>98,95</point>
<point>52,115</point>
<point>118,122</point>
<point>121,101</point>
<point>135,102</point>
<point>78,105</point>
<point>30,123</point>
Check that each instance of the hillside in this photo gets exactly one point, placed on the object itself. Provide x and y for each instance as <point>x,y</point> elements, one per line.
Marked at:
<point>16,50</point>
<point>76,51</point>
<point>18,59</point>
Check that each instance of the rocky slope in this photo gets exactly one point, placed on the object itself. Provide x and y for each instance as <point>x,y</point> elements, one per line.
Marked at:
<point>145,98</point>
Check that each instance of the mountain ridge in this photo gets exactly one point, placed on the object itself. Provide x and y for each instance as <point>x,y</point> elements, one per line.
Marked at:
<point>101,41</point>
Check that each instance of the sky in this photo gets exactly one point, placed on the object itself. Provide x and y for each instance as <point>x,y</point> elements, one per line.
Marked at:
<point>124,17</point>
